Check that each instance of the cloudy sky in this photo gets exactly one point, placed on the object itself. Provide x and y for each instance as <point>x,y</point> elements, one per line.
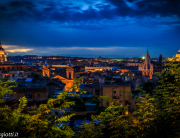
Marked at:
<point>90,28</point>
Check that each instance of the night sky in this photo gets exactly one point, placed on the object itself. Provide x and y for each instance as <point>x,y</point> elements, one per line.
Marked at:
<point>90,28</point>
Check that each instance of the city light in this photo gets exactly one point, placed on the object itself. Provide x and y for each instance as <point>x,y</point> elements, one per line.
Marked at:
<point>143,57</point>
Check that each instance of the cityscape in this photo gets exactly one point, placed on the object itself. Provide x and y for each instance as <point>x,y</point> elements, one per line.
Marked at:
<point>82,69</point>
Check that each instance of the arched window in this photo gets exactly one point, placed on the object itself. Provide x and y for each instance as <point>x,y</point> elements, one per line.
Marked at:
<point>21,67</point>
<point>12,68</point>
<point>3,68</point>
<point>16,67</point>
<point>13,75</point>
<point>7,68</point>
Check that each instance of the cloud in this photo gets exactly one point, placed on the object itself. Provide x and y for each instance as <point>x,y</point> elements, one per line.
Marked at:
<point>85,48</point>
<point>150,8</point>
<point>74,12</point>
<point>14,49</point>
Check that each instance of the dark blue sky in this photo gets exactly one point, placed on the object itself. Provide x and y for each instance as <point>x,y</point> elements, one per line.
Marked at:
<point>90,28</point>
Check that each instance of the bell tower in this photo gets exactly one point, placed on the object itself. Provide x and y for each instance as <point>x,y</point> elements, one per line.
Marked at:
<point>69,72</point>
<point>46,70</point>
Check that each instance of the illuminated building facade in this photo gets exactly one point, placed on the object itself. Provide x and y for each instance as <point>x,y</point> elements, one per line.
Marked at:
<point>46,70</point>
<point>3,55</point>
<point>147,67</point>
<point>68,79</point>
<point>177,57</point>
<point>118,92</point>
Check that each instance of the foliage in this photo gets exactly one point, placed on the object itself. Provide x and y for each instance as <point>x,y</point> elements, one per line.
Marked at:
<point>39,122</point>
<point>158,115</point>
<point>147,87</point>
<point>113,122</point>
<point>76,85</point>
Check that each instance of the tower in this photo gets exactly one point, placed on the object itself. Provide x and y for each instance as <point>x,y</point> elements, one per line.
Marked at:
<point>147,67</point>
<point>160,59</point>
<point>3,55</point>
<point>46,70</point>
<point>69,72</point>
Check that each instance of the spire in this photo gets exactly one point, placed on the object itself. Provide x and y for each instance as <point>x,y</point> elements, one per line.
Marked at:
<point>147,54</point>
<point>69,60</point>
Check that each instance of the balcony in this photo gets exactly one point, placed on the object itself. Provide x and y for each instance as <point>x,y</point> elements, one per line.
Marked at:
<point>115,97</point>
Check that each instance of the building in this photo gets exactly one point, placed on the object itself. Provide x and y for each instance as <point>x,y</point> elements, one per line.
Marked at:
<point>147,67</point>
<point>3,55</point>
<point>94,69</point>
<point>46,70</point>
<point>177,57</point>
<point>35,90</point>
<point>67,78</point>
<point>13,70</point>
<point>160,58</point>
<point>118,92</point>
<point>178,54</point>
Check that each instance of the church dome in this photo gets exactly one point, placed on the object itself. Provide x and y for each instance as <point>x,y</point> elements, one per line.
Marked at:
<point>46,64</point>
<point>2,51</point>
<point>69,64</point>
<point>3,56</point>
<point>178,54</point>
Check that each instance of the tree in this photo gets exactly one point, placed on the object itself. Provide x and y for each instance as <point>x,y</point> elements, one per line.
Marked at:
<point>159,115</point>
<point>147,87</point>
<point>35,123</point>
<point>113,122</point>
<point>156,115</point>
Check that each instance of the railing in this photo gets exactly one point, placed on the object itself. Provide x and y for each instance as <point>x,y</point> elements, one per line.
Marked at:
<point>115,97</point>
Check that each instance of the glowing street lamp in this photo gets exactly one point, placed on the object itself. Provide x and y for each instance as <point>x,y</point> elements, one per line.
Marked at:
<point>143,57</point>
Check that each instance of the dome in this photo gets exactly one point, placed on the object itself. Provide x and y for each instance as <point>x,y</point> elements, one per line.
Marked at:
<point>46,64</point>
<point>69,64</point>
<point>2,51</point>
<point>178,54</point>
<point>3,56</point>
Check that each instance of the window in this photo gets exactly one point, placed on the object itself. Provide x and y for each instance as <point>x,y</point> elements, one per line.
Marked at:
<point>38,95</point>
<point>120,103</point>
<point>114,94</point>
<point>107,103</point>
<point>7,96</point>
<point>120,93</point>
<point>69,75</point>
<point>28,94</point>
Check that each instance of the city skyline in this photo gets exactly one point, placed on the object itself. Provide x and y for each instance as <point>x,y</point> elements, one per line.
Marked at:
<point>107,28</point>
